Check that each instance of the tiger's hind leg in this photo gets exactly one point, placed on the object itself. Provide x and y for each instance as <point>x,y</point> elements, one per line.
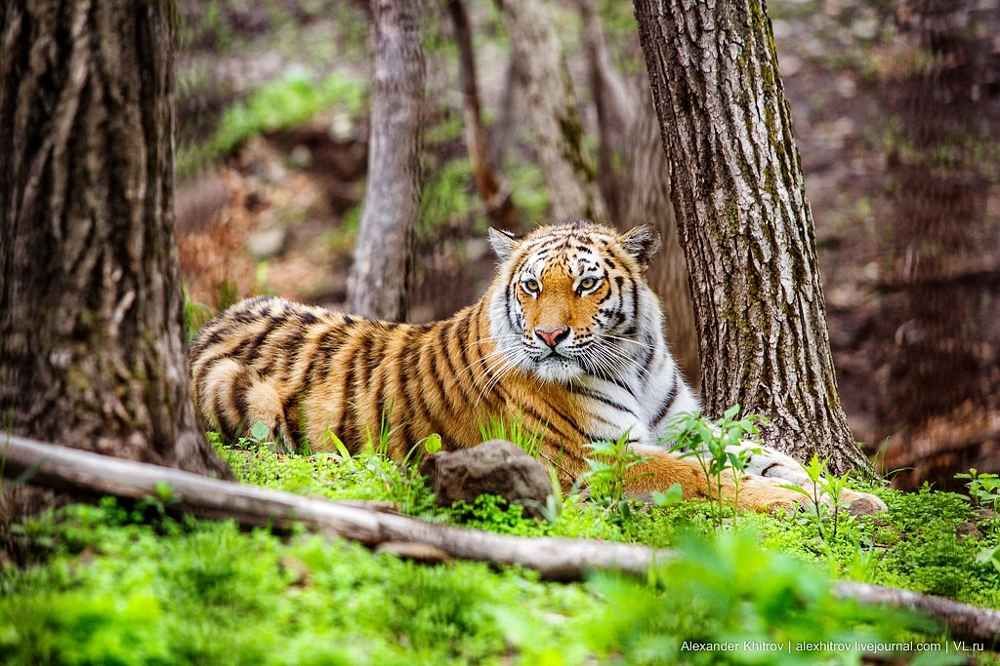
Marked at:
<point>233,397</point>
<point>774,465</point>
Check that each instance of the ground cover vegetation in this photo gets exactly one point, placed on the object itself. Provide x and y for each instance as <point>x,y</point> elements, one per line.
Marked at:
<point>131,584</point>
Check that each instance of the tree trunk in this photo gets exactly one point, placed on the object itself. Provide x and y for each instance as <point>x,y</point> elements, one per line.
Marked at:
<point>377,284</point>
<point>502,134</point>
<point>746,227</point>
<point>495,192</point>
<point>91,310</point>
<point>648,202</point>
<point>555,119</point>
<point>615,103</point>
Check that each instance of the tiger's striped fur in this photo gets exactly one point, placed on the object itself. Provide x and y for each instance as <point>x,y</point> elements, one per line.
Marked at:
<point>568,338</point>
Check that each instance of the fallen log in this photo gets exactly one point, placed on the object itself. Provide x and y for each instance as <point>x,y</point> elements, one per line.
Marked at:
<point>555,559</point>
<point>965,622</point>
<point>73,470</point>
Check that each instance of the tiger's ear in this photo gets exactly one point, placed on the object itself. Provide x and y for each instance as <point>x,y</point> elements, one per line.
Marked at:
<point>503,242</point>
<point>642,242</point>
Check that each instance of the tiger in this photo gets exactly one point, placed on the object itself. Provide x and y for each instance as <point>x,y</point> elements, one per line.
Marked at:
<point>568,338</point>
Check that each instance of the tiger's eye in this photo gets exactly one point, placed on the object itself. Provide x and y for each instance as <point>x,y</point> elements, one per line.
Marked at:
<point>531,286</point>
<point>588,282</point>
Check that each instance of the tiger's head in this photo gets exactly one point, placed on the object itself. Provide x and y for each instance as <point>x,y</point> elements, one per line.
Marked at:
<point>571,300</point>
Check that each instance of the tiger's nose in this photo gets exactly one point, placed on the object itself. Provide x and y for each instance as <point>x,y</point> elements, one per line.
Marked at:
<point>553,337</point>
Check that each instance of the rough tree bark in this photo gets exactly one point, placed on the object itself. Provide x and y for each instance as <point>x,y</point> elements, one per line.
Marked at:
<point>91,310</point>
<point>745,224</point>
<point>377,284</point>
<point>552,106</point>
<point>495,192</point>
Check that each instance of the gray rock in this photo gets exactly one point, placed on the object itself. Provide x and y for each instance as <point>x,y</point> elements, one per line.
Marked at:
<point>863,506</point>
<point>496,467</point>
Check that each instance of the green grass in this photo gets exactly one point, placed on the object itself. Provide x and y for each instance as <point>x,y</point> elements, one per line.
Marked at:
<point>102,589</point>
<point>114,584</point>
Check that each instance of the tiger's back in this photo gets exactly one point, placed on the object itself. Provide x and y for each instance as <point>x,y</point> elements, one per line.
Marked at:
<point>306,372</point>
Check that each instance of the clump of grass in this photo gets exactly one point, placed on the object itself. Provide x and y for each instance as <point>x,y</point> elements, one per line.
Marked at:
<point>514,430</point>
<point>608,470</point>
<point>721,448</point>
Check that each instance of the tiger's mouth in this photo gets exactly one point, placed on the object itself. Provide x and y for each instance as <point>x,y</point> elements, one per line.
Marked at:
<point>550,354</point>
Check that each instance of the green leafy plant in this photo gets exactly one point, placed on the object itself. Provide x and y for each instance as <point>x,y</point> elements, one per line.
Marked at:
<point>673,495</point>
<point>608,470</point>
<point>984,488</point>
<point>816,471</point>
<point>721,448</point>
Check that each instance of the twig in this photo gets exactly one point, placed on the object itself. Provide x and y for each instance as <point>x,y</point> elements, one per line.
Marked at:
<point>73,470</point>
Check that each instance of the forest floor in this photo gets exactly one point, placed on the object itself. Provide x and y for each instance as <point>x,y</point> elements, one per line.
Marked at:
<point>133,583</point>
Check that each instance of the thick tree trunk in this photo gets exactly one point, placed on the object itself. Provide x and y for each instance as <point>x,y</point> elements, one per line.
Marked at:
<point>495,192</point>
<point>747,230</point>
<point>377,284</point>
<point>648,202</point>
<point>91,310</point>
<point>555,119</point>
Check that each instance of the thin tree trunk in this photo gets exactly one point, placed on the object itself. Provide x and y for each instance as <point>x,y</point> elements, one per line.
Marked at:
<point>377,284</point>
<point>648,202</point>
<point>91,309</point>
<point>495,192</point>
<point>615,103</point>
<point>503,131</point>
<point>559,136</point>
<point>746,227</point>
